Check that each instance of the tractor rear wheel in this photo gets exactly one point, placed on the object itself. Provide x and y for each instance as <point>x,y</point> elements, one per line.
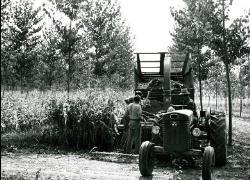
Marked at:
<point>207,163</point>
<point>219,137</point>
<point>146,159</point>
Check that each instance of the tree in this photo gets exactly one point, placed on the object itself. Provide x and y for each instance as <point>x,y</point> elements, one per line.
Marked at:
<point>69,34</point>
<point>23,40</point>
<point>4,17</point>
<point>110,39</point>
<point>5,63</point>
<point>244,79</point>
<point>50,58</point>
<point>192,34</point>
<point>215,80</point>
<point>229,44</point>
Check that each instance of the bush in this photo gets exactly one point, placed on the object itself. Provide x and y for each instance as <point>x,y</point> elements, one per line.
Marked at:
<point>81,123</point>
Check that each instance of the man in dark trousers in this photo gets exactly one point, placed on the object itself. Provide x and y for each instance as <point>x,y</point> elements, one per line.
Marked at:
<point>125,122</point>
<point>134,112</point>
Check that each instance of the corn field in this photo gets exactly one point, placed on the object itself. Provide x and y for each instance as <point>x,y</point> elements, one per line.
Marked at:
<point>85,121</point>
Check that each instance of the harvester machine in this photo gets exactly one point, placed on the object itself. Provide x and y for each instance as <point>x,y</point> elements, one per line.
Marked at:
<point>166,82</point>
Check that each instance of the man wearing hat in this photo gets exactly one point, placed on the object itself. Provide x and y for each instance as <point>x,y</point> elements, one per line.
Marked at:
<point>134,112</point>
<point>144,102</point>
<point>138,93</point>
<point>188,101</point>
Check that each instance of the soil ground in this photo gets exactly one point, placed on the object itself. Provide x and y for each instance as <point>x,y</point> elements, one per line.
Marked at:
<point>25,164</point>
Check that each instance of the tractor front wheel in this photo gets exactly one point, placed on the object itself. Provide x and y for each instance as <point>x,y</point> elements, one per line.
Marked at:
<point>207,163</point>
<point>146,159</point>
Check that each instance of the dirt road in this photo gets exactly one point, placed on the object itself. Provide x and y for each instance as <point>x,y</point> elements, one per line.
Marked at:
<point>51,166</point>
<point>72,167</point>
<point>20,165</point>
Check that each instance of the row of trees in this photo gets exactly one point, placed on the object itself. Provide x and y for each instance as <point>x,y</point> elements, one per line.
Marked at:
<point>201,29</point>
<point>64,43</point>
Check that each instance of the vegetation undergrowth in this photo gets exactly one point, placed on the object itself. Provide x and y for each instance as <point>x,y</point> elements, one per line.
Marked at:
<point>36,119</point>
<point>85,121</point>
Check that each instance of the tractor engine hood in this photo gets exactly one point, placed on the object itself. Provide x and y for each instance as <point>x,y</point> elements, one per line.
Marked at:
<point>176,130</point>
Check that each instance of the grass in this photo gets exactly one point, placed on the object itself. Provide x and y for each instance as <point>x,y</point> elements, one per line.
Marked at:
<point>14,177</point>
<point>21,139</point>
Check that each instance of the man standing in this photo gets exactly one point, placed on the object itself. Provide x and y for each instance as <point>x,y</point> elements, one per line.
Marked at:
<point>188,101</point>
<point>125,121</point>
<point>134,111</point>
<point>144,102</point>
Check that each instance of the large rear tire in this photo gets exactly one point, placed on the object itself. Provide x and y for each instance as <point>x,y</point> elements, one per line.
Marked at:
<point>207,163</point>
<point>146,158</point>
<point>219,137</point>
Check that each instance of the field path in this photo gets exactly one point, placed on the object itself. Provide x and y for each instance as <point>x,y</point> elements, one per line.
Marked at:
<point>20,165</point>
<point>72,167</point>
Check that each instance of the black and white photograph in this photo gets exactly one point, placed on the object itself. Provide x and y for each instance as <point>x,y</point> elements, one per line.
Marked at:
<point>125,89</point>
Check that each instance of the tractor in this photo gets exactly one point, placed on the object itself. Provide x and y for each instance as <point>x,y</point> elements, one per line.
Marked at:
<point>166,80</point>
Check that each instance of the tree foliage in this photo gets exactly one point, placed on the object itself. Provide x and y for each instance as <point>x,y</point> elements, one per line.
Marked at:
<point>203,23</point>
<point>244,76</point>
<point>23,40</point>
<point>228,43</point>
<point>236,37</point>
<point>77,43</point>
<point>192,33</point>
<point>50,59</point>
<point>68,34</point>
<point>200,25</point>
<point>109,38</point>
<point>5,66</point>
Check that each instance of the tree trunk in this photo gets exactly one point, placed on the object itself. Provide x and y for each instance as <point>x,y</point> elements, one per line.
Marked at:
<point>216,96</point>
<point>229,104</point>
<point>2,96</point>
<point>201,95</point>
<point>69,65</point>
<point>200,85</point>
<point>209,101</point>
<point>27,93</point>
<point>50,85</point>
<point>21,84</point>
<point>241,97</point>
<point>226,62</point>
<point>225,97</point>
<point>240,106</point>
<point>68,85</point>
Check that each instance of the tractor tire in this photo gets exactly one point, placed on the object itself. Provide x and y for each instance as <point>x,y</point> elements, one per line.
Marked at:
<point>146,159</point>
<point>208,163</point>
<point>219,137</point>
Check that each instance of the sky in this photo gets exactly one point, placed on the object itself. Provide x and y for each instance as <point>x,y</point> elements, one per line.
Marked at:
<point>151,22</point>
